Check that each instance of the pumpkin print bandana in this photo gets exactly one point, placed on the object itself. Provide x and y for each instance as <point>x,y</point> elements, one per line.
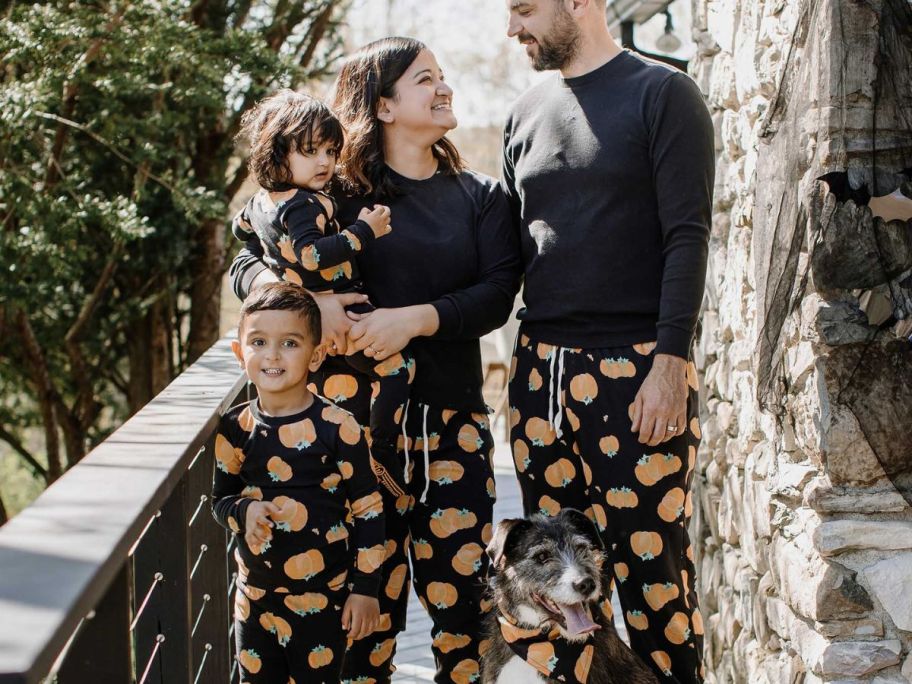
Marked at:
<point>547,651</point>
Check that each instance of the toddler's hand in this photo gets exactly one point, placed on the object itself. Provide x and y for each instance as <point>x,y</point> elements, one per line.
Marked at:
<point>258,526</point>
<point>360,616</point>
<point>378,219</point>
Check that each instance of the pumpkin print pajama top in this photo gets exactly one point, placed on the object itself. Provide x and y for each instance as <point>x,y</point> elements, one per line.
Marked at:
<point>327,540</point>
<point>609,176</point>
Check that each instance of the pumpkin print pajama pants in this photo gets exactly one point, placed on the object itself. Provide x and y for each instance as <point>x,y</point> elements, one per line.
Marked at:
<point>443,523</point>
<point>572,447</point>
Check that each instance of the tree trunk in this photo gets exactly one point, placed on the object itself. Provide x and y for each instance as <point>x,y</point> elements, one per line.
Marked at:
<point>207,267</point>
<point>150,365</point>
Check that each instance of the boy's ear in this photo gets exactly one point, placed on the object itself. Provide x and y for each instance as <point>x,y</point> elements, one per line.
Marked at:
<point>384,113</point>
<point>319,353</point>
<point>236,348</point>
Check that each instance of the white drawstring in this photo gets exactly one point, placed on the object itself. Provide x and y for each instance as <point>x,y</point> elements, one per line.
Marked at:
<point>551,388</point>
<point>427,457</point>
<point>558,409</point>
<point>405,441</point>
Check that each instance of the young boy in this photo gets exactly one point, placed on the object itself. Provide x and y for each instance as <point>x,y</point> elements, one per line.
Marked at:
<point>293,482</point>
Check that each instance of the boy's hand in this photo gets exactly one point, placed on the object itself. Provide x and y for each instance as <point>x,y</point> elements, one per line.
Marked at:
<point>258,526</point>
<point>378,219</point>
<point>360,616</point>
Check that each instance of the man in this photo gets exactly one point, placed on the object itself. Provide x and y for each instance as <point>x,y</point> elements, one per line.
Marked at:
<point>609,170</point>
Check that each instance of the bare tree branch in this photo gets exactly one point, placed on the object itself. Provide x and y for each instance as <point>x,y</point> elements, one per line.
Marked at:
<point>17,446</point>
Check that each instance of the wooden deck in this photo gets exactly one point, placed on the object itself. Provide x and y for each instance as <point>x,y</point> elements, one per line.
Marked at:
<point>414,662</point>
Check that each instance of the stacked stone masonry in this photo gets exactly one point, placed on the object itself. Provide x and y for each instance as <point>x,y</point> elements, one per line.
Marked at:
<point>804,541</point>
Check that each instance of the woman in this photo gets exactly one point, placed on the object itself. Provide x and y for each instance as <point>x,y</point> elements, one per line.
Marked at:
<point>446,275</point>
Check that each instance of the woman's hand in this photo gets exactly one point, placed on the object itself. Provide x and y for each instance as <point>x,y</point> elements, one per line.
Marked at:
<point>335,322</point>
<point>384,332</point>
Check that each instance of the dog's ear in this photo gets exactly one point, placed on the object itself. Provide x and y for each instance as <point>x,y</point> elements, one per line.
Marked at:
<point>500,541</point>
<point>582,524</point>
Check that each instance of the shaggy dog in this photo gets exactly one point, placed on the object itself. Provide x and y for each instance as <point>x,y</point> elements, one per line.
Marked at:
<point>546,582</point>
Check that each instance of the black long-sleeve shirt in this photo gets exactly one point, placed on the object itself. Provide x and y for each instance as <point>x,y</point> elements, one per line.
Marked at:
<point>315,466</point>
<point>452,246</point>
<point>610,179</point>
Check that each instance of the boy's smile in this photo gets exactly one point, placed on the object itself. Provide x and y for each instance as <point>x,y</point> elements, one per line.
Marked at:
<point>277,352</point>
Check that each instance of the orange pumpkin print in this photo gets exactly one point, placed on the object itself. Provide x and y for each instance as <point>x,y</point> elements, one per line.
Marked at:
<point>583,388</point>
<point>644,348</point>
<point>617,368</point>
<point>381,652</point>
<point>487,532</point>
<point>596,514</point>
<point>521,456</point>
<point>587,471</point>
<point>695,427</point>
<point>340,387</point>
<point>320,656</point>
<point>677,631</point>
<point>251,492</point>
<point>621,571</point>
<point>250,660</point>
<point>299,435</point>
<point>336,582</point>
<point>241,606</point>
<point>672,505</point>
<point>345,469</point>
<point>228,459</point>
<point>292,515</point>
<point>467,560</point>
<point>306,604</point>
<point>389,547</point>
<point>233,524</point>
<point>352,240</point>
<point>304,565</point>
<point>246,421</point>
<point>560,473</point>
<point>292,277</point>
<point>688,505</point>
<point>441,594</point>
<point>647,545</point>
<point>331,482</point>
<point>279,471</point>
<point>609,445</point>
<point>542,654</point>
<point>606,608</point>
<point>692,376</point>
<point>276,625</point>
<point>637,620</point>
<point>515,416</point>
<point>371,559</point>
<point>540,432</point>
<point>697,620</point>
<point>393,364</point>
<point>548,506</point>
<point>544,351</point>
<point>465,672</point>
<point>396,581</point>
<point>343,270</point>
<point>691,459</point>
<point>403,503</point>
<point>446,522</point>
<point>535,380</point>
<point>446,472</point>
<point>367,507</point>
<point>384,623</point>
<point>583,663</point>
<point>469,439</point>
<point>446,642</point>
<point>350,431</point>
<point>652,468</point>
<point>310,258</point>
<point>423,550</point>
<point>657,595</point>
<point>662,659</point>
<point>524,340</point>
<point>622,497</point>
<point>491,488</point>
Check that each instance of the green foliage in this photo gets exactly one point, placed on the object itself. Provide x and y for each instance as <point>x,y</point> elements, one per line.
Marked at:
<point>116,141</point>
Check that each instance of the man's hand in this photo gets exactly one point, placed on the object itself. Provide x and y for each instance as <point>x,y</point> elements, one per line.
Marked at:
<point>257,525</point>
<point>336,323</point>
<point>360,616</point>
<point>659,411</point>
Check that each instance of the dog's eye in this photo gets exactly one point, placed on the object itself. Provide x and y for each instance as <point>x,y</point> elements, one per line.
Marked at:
<point>541,557</point>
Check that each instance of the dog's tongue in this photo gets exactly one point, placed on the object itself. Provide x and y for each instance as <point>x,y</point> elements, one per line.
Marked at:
<point>577,618</point>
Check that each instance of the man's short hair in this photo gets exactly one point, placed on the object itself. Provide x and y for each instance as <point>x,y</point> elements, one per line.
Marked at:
<point>284,297</point>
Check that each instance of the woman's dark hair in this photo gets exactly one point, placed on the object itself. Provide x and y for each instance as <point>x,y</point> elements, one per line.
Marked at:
<point>281,124</point>
<point>366,76</point>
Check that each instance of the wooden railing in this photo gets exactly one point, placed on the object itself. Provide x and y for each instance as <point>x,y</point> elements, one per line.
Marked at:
<point>117,572</point>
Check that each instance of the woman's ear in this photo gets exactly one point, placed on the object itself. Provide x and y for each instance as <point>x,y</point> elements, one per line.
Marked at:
<point>384,113</point>
<point>319,353</point>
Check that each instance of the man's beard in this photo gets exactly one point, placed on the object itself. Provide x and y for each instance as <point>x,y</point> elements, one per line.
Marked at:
<point>560,46</point>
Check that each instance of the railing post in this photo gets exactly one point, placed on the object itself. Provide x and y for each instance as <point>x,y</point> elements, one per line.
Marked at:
<point>165,550</point>
<point>102,643</point>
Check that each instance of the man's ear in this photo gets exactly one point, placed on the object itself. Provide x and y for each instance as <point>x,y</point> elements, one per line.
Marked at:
<point>505,533</point>
<point>319,353</point>
<point>384,113</point>
<point>236,348</point>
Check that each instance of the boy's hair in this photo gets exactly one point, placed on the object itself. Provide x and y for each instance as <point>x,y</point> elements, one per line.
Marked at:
<point>284,297</point>
<point>281,124</point>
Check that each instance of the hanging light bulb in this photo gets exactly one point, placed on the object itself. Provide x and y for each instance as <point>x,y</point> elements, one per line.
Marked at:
<point>668,42</point>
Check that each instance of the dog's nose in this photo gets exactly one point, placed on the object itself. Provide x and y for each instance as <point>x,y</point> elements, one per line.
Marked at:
<point>585,586</point>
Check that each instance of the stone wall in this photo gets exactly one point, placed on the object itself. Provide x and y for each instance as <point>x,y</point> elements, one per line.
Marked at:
<point>803,532</point>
